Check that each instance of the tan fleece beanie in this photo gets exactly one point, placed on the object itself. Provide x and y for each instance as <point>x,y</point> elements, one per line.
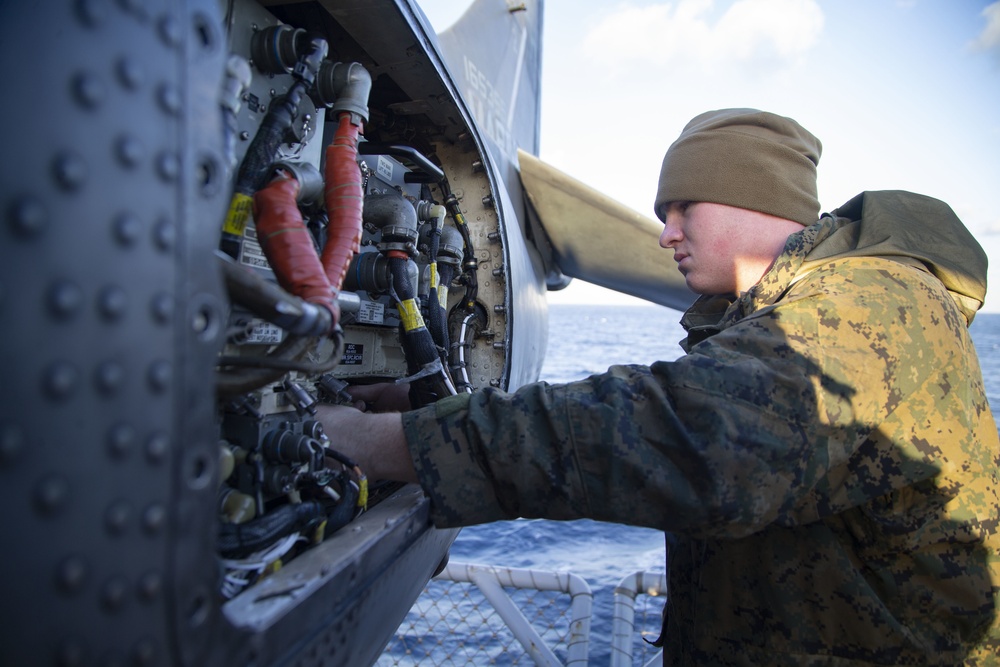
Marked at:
<point>745,158</point>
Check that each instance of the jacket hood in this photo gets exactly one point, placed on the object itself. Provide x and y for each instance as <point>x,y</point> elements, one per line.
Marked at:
<point>913,229</point>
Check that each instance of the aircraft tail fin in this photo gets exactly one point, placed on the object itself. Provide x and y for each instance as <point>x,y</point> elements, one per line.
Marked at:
<point>495,53</point>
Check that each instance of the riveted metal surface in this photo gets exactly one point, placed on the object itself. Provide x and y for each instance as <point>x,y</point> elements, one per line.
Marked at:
<point>108,216</point>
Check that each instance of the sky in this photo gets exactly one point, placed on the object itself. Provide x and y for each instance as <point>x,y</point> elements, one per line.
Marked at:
<point>904,94</point>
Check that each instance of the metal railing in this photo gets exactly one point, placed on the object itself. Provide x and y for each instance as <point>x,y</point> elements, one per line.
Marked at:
<point>483,614</point>
<point>623,632</point>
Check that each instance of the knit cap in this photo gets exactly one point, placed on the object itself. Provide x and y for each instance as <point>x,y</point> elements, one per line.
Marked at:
<point>745,158</point>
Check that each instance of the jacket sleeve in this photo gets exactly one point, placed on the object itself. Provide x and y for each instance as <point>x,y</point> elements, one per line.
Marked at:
<point>799,410</point>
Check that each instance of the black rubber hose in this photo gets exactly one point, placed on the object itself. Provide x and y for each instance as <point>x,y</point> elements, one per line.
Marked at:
<point>416,340</point>
<point>343,512</point>
<point>470,264</point>
<point>238,540</point>
<point>435,314</point>
<point>446,273</point>
<point>279,117</point>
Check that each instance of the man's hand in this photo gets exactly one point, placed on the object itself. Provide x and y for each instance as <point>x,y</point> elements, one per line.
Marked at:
<point>382,397</point>
<point>374,441</point>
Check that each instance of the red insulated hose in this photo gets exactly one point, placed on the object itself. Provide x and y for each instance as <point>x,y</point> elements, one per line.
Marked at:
<point>288,244</point>
<point>344,200</point>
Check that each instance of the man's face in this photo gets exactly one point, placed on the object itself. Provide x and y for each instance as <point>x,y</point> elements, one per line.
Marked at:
<point>722,249</point>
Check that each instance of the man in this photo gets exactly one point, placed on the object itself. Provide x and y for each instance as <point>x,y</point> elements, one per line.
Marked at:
<point>823,459</point>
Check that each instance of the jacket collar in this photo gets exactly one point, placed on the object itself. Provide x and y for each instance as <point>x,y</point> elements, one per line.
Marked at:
<point>711,314</point>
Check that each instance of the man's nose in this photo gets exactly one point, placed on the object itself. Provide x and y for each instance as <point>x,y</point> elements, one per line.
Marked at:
<point>670,235</point>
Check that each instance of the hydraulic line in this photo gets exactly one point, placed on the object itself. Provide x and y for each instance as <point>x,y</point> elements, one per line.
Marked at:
<point>240,540</point>
<point>431,172</point>
<point>288,244</point>
<point>429,378</point>
<point>268,301</point>
<point>277,360</point>
<point>344,199</point>
<point>470,264</point>
<point>236,382</point>
<point>437,307</point>
<point>269,137</point>
<point>417,340</point>
<point>460,366</point>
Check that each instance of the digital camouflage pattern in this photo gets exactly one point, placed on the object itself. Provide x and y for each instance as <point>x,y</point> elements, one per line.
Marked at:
<point>823,459</point>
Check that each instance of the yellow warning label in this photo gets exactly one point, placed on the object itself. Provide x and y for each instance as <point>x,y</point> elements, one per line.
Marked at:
<point>434,274</point>
<point>443,296</point>
<point>409,313</point>
<point>239,212</point>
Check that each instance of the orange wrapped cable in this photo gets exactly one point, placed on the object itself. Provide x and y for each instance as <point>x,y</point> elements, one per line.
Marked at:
<point>289,246</point>
<point>344,199</point>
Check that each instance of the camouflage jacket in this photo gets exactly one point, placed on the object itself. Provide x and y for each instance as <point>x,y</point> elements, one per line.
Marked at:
<point>823,459</point>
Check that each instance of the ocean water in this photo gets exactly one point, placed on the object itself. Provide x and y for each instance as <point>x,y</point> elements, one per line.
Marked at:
<point>584,340</point>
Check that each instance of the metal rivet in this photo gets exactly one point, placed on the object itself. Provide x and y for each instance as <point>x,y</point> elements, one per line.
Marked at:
<point>209,176</point>
<point>150,585</point>
<point>69,170</point>
<point>11,444</point>
<point>60,380</point>
<point>157,447</point>
<point>164,234</point>
<point>109,377</point>
<point>160,373</point>
<point>204,30</point>
<point>200,321</point>
<point>71,574</point>
<point>121,437</point>
<point>168,166</point>
<point>130,73</point>
<point>117,517</point>
<point>129,151</point>
<point>113,593</point>
<point>153,518</point>
<point>112,302</point>
<point>205,318</point>
<point>162,307</point>
<point>27,216</point>
<point>170,31</point>
<point>89,90</point>
<point>51,494</point>
<point>199,471</point>
<point>127,228</point>
<point>170,98</point>
<point>64,299</point>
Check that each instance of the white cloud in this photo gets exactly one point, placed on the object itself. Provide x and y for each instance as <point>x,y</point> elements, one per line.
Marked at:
<point>989,38</point>
<point>684,31</point>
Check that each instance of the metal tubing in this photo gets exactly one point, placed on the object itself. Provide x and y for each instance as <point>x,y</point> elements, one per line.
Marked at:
<point>623,617</point>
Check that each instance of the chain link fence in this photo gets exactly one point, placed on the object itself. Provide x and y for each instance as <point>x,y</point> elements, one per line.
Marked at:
<point>455,623</point>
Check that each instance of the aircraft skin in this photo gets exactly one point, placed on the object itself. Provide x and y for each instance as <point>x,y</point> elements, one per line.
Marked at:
<point>147,420</point>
